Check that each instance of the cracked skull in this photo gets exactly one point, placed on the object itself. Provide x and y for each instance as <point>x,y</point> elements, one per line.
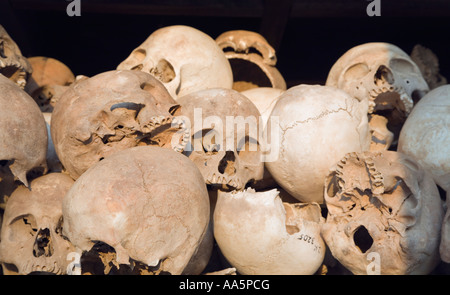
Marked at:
<point>183,58</point>
<point>382,203</point>
<point>23,135</point>
<point>13,65</point>
<point>224,142</point>
<point>260,235</point>
<point>143,210</point>
<point>425,137</point>
<point>31,237</point>
<point>386,77</point>
<point>110,112</point>
<point>317,126</point>
<point>252,60</point>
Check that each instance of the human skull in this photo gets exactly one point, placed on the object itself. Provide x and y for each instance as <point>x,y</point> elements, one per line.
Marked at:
<point>317,126</point>
<point>226,151</point>
<point>264,99</point>
<point>109,112</point>
<point>252,60</point>
<point>23,135</point>
<point>183,58</point>
<point>147,205</point>
<point>385,76</point>
<point>382,204</point>
<point>48,75</point>
<point>425,137</point>
<point>260,235</point>
<point>31,237</point>
<point>13,65</point>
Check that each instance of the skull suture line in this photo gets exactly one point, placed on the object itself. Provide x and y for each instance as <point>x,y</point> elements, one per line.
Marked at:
<point>31,238</point>
<point>110,112</point>
<point>147,207</point>
<point>13,65</point>
<point>383,203</point>
<point>184,59</point>
<point>224,148</point>
<point>386,77</point>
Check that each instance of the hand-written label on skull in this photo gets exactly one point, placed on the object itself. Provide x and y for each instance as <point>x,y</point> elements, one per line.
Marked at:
<point>310,240</point>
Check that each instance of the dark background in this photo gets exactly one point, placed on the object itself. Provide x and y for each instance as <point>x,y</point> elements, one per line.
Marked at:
<point>309,36</point>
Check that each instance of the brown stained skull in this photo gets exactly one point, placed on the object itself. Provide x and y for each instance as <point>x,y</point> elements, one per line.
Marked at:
<point>252,60</point>
<point>23,133</point>
<point>13,65</point>
<point>31,237</point>
<point>382,204</point>
<point>143,210</point>
<point>224,143</point>
<point>112,111</point>
<point>386,77</point>
<point>50,77</point>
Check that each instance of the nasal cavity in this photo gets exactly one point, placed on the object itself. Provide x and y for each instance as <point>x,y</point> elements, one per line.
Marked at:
<point>362,239</point>
<point>42,244</point>
<point>226,165</point>
<point>384,74</point>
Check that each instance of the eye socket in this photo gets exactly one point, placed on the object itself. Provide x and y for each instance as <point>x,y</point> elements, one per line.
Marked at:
<point>23,227</point>
<point>356,72</point>
<point>248,150</point>
<point>207,140</point>
<point>401,66</point>
<point>2,49</point>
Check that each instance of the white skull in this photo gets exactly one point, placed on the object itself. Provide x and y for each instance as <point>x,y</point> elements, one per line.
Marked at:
<point>23,135</point>
<point>183,58</point>
<point>224,147</point>
<point>13,65</point>
<point>382,204</point>
<point>317,126</point>
<point>31,238</point>
<point>425,137</point>
<point>386,77</point>
<point>111,111</point>
<point>260,235</point>
<point>252,60</point>
<point>147,207</point>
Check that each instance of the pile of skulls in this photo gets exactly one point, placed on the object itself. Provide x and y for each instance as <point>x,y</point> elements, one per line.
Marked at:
<point>193,157</point>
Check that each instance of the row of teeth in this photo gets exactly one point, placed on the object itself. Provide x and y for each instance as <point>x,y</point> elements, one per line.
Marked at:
<point>221,179</point>
<point>22,79</point>
<point>45,268</point>
<point>408,103</point>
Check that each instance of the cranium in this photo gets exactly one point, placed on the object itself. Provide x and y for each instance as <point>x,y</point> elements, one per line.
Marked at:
<point>49,79</point>
<point>23,135</point>
<point>252,60</point>
<point>425,137</point>
<point>385,76</point>
<point>382,204</point>
<point>317,126</point>
<point>13,65</point>
<point>31,237</point>
<point>145,207</point>
<point>183,58</point>
<point>260,235</point>
<point>110,112</point>
<point>224,143</point>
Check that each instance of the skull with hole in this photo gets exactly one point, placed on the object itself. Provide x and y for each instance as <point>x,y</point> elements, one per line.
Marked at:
<point>110,112</point>
<point>183,58</point>
<point>252,60</point>
<point>382,203</point>
<point>23,135</point>
<point>260,235</point>
<point>224,144</point>
<point>49,79</point>
<point>31,238</point>
<point>425,137</point>
<point>386,77</point>
<point>13,65</point>
<point>143,210</point>
<point>317,125</point>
